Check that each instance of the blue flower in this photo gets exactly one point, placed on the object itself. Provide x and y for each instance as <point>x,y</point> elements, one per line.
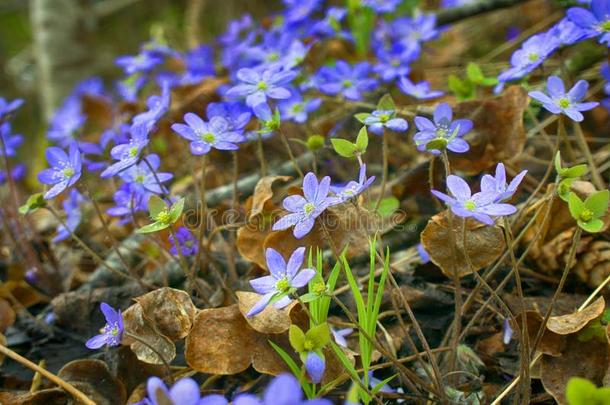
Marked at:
<point>296,109</point>
<point>305,209</point>
<point>481,206</point>
<point>185,391</point>
<point>66,122</point>
<point>567,32</point>
<point>595,22</point>
<point>353,188</point>
<point>420,91</point>
<point>380,119</point>
<point>315,366</point>
<point>73,212</point>
<point>394,63</point>
<point>129,88</point>
<point>17,173</point>
<point>128,153</point>
<point>113,330</point>
<point>199,65</point>
<point>7,108</point>
<point>497,184</point>
<point>10,142</point>
<point>283,390</point>
<point>144,62</point>
<point>560,102</point>
<point>349,81</point>
<point>532,54</point>
<point>186,240</point>
<point>235,113</point>
<point>157,107</point>
<point>127,203</point>
<point>299,10</point>
<point>423,255</point>
<point>285,278</point>
<point>255,87</point>
<point>340,334</point>
<point>330,26</point>
<point>207,135</point>
<point>65,169</point>
<point>413,32</point>
<point>143,177</point>
<point>382,6</point>
<point>443,130</point>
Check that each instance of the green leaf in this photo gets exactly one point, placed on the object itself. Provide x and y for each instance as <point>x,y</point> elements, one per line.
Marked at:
<point>463,89</point>
<point>319,335</point>
<point>176,210</point>
<point>593,226</point>
<point>296,370</point>
<point>362,140</point>
<point>580,391</point>
<point>598,202</point>
<point>154,227</point>
<point>564,188</point>
<point>382,384</point>
<point>362,116</point>
<point>474,73</point>
<point>155,206</point>
<point>296,338</point>
<point>34,202</point>
<point>574,171</point>
<point>557,162</point>
<point>386,103</point>
<point>575,205</point>
<point>606,316</point>
<point>387,206</point>
<point>489,81</point>
<point>309,297</point>
<point>344,147</point>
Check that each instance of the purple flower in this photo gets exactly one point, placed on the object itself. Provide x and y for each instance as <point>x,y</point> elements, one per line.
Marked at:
<point>144,62</point>
<point>349,81</point>
<point>73,212</point>
<point>128,153</point>
<point>567,32</point>
<point>129,88</point>
<point>157,107</point>
<point>420,91</point>
<point>394,63</point>
<point>497,184</point>
<point>340,334</point>
<point>65,169</point>
<point>560,102</point>
<point>299,10</point>
<point>353,188</point>
<point>444,132</point>
<point>235,113</point>
<point>330,26</point>
<point>7,108</point>
<point>481,206</point>
<point>283,390</point>
<point>66,122</point>
<point>256,87</point>
<point>380,119</point>
<point>296,109</point>
<point>532,54</point>
<point>143,177</point>
<point>595,22</point>
<point>285,278</point>
<point>186,241</point>
<point>382,6</point>
<point>315,366</point>
<point>423,255</point>
<point>113,330</point>
<point>507,332</point>
<point>207,135</point>
<point>17,173</point>
<point>413,32</point>
<point>199,64</point>
<point>10,142</point>
<point>305,209</point>
<point>185,391</point>
<point>127,202</point>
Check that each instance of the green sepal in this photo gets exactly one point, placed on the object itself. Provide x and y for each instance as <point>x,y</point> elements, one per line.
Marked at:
<point>598,202</point>
<point>155,206</point>
<point>576,205</point>
<point>362,116</point>
<point>319,335</point>
<point>34,202</point>
<point>386,102</point>
<point>176,210</point>
<point>593,226</point>
<point>297,338</point>
<point>154,227</point>
<point>344,148</point>
<point>362,140</point>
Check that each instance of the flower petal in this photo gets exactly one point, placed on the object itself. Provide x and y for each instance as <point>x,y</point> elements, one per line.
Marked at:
<point>275,263</point>
<point>283,390</point>
<point>302,278</point>
<point>295,262</point>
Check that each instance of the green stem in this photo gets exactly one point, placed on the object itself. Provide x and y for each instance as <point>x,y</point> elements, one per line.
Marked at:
<point>584,148</point>
<point>384,174</point>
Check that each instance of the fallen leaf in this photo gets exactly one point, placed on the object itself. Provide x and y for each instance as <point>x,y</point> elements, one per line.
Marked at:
<point>93,378</point>
<point>271,320</point>
<point>572,323</point>
<point>551,343</point>
<point>51,396</point>
<point>588,361</point>
<point>263,192</point>
<point>7,315</point>
<point>171,311</point>
<point>484,244</point>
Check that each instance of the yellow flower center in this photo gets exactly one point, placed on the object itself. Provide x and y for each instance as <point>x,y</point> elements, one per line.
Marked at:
<point>586,215</point>
<point>470,205</point>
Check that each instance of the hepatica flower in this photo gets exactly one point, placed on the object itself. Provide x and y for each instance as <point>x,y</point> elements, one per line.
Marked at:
<point>255,87</point>
<point>143,62</point>
<point>207,135</point>
<point>73,212</point>
<point>113,330</point>
<point>349,81</point>
<point>596,22</point>
<point>185,391</point>
<point>420,91</point>
<point>532,53</point>
<point>144,177</point>
<point>10,142</point>
<point>559,102</point>
<point>186,240</point>
<point>285,278</point>
<point>443,132</point>
<point>128,153</point>
<point>378,120</point>
<point>283,390</point>
<point>497,184</point>
<point>65,169</point>
<point>7,108</point>
<point>305,209</point>
<point>310,347</point>
<point>481,206</point>
<point>296,109</point>
<point>353,188</point>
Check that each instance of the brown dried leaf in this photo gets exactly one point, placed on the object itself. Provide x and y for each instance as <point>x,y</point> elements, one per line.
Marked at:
<point>572,323</point>
<point>575,361</point>
<point>263,192</point>
<point>271,320</point>
<point>93,378</point>
<point>136,324</point>
<point>484,244</point>
<point>171,311</point>
<point>285,242</point>
<point>593,266</point>
<point>7,315</point>
<point>498,134</point>
<point>550,343</point>
<point>51,396</point>
<point>250,240</point>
